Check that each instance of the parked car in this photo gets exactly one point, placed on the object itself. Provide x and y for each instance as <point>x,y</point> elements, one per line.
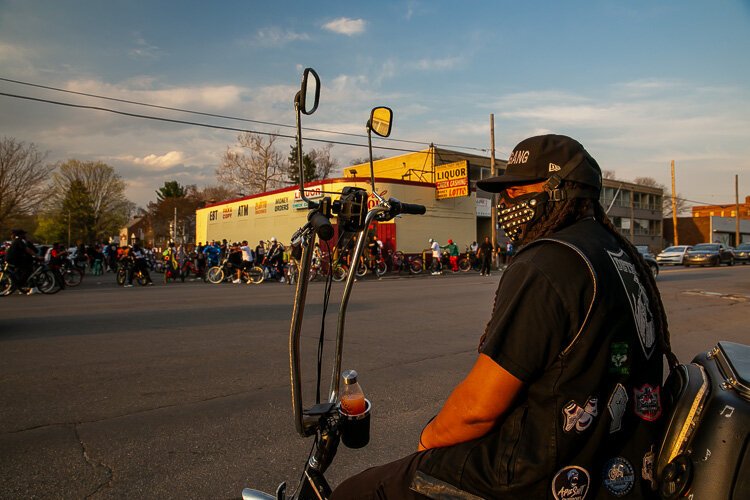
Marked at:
<point>709,254</point>
<point>649,258</point>
<point>742,253</point>
<point>672,255</point>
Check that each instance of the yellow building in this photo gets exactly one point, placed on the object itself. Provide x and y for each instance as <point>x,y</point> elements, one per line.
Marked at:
<point>441,180</point>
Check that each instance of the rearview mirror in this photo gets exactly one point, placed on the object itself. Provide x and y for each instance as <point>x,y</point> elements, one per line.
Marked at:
<point>310,89</point>
<point>380,121</point>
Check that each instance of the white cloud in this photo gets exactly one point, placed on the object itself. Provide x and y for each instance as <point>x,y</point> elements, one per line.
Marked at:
<point>346,26</point>
<point>208,96</point>
<point>166,160</point>
<point>274,36</point>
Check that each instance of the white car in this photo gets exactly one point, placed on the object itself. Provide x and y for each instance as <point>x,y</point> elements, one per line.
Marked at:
<point>673,255</point>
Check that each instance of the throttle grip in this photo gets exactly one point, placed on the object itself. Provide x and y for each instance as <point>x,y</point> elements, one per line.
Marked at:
<point>412,208</point>
<point>322,226</point>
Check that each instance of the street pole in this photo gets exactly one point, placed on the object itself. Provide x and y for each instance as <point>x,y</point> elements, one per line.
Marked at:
<point>736,210</point>
<point>493,200</point>
<point>68,228</point>
<point>674,209</point>
<point>174,226</point>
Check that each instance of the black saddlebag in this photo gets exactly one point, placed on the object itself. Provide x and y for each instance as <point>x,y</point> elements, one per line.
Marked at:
<point>706,451</point>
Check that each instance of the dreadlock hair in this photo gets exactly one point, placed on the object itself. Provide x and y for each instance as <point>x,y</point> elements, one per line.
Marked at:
<point>557,215</point>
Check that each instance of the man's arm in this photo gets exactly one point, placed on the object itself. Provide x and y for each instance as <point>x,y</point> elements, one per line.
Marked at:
<point>473,407</point>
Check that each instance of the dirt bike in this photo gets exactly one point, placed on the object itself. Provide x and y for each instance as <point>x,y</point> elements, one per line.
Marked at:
<point>325,420</point>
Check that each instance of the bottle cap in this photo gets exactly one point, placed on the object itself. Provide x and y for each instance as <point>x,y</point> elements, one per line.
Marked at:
<point>350,377</point>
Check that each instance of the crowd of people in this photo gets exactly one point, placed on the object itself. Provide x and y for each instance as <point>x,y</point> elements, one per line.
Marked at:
<point>182,259</point>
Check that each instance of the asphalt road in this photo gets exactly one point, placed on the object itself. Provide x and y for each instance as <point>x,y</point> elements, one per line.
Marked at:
<point>183,390</point>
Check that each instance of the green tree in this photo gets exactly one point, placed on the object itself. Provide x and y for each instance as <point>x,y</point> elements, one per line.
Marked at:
<point>311,168</point>
<point>171,189</point>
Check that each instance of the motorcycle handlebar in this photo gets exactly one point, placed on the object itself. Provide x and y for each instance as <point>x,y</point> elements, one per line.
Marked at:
<point>321,225</point>
<point>398,207</point>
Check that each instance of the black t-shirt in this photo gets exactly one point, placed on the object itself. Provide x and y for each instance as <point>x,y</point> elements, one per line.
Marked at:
<point>541,302</point>
<point>486,248</point>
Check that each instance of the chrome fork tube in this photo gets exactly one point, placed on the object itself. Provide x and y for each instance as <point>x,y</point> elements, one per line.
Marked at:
<point>296,327</point>
<point>345,301</point>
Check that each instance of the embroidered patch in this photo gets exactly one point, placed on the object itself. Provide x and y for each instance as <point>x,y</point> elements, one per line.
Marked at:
<point>638,300</point>
<point>647,470</point>
<point>647,402</point>
<point>618,476</point>
<point>617,404</point>
<point>577,417</point>
<point>571,483</point>
<point>619,361</point>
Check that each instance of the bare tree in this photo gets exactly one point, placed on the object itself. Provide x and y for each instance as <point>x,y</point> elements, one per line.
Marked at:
<point>22,178</point>
<point>608,174</point>
<point>667,197</point>
<point>110,209</point>
<point>324,162</point>
<point>256,169</point>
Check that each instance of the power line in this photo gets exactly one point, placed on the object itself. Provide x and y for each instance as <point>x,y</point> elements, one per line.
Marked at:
<point>198,124</point>
<point>226,117</point>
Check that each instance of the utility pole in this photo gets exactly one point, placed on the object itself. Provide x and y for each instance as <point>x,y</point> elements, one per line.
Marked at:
<point>68,228</point>
<point>674,209</point>
<point>736,210</point>
<point>174,227</point>
<point>493,172</point>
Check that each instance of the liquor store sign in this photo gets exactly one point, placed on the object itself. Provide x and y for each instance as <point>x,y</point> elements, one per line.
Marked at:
<point>452,180</point>
<point>311,193</point>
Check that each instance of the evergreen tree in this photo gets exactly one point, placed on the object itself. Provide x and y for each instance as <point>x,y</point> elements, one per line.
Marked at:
<point>311,168</point>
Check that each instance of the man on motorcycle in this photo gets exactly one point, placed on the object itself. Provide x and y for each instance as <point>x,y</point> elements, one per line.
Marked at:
<point>564,400</point>
<point>21,254</point>
<point>139,264</point>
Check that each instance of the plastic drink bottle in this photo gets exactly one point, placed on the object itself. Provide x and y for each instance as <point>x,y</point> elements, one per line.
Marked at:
<point>352,397</point>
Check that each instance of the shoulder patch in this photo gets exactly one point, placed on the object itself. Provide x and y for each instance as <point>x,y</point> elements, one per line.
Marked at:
<point>638,300</point>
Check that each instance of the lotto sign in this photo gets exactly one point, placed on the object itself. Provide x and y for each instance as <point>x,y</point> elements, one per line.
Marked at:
<point>311,194</point>
<point>452,180</point>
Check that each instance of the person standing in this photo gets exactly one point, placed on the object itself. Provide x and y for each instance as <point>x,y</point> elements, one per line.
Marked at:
<point>435,265</point>
<point>452,250</point>
<point>485,256</point>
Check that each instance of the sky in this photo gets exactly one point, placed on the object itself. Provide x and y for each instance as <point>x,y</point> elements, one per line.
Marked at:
<point>638,83</point>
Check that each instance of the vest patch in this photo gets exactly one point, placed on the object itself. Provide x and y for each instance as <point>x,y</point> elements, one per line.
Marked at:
<point>579,418</point>
<point>638,300</point>
<point>647,402</point>
<point>571,483</point>
<point>619,361</point>
<point>617,404</point>
<point>618,476</point>
<point>647,471</point>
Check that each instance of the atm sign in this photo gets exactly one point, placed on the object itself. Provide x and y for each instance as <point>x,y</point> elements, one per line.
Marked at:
<point>452,180</point>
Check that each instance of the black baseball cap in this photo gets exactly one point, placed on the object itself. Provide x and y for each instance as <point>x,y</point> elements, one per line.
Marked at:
<point>538,158</point>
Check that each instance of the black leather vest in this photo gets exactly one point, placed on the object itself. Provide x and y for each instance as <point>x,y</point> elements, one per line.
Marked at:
<point>588,427</point>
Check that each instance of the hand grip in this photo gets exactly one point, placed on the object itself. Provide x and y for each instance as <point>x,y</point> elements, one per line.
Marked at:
<point>322,226</point>
<point>412,208</point>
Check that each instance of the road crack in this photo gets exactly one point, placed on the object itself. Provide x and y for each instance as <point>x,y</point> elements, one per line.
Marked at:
<point>107,483</point>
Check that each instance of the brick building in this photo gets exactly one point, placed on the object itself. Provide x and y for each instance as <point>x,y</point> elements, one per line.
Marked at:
<point>711,223</point>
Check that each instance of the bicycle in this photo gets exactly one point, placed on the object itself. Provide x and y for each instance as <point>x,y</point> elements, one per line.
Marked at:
<point>401,262</point>
<point>42,278</point>
<point>71,274</point>
<point>123,269</point>
<point>469,262</point>
<point>250,274</point>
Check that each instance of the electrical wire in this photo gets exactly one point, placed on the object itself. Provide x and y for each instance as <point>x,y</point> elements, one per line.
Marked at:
<point>198,124</point>
<point>227,117</point>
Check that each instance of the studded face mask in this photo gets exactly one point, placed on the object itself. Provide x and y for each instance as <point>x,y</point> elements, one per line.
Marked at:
<point>517,213</point>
